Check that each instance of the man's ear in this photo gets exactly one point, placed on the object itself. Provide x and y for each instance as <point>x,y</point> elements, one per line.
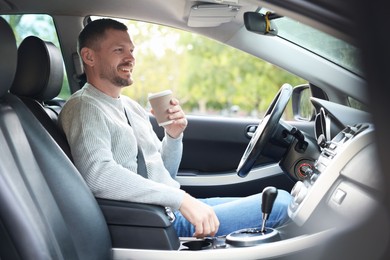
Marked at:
<point>87,55</point>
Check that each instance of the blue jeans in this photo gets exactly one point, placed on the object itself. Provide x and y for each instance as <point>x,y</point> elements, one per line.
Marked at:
<point>238,213</point>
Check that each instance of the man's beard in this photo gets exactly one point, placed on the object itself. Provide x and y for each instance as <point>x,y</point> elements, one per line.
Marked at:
<point>120,82</point>
<point>111,75</point>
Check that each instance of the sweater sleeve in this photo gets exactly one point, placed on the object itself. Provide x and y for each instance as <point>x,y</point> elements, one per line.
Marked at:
<point>90,139</point>
<point>171,149</point>
<point>171,152</point>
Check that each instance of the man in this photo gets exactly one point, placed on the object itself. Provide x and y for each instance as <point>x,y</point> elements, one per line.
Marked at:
<point>120,157</point>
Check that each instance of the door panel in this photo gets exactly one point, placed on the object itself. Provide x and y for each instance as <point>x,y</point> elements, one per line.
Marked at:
<point>212,149</point>
<point>212,145</point>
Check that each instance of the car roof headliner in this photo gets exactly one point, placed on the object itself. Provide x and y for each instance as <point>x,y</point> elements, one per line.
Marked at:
<point>175,13</point>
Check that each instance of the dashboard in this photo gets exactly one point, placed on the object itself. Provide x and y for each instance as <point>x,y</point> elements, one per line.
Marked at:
<point>343,177</point>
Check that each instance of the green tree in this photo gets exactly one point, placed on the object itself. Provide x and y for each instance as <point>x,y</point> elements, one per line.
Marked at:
<point>158,62</point>
<point>207,76</point>
<point>225,77</point>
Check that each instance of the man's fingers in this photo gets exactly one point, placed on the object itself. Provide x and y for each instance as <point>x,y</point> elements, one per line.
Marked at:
<point>200,215</point>
<point>199,231</point>
<point>208,227</point>
<point>215,226</point>
<point>174,101</point>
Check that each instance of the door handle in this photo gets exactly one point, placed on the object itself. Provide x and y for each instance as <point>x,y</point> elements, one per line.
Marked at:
<point>250,130</point>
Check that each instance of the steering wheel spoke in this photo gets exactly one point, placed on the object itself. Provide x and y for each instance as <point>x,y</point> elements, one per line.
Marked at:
<point>265,130</point>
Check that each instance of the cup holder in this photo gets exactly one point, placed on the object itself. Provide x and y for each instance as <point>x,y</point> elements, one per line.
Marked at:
<point>252,237</point>
<point>197,245</point>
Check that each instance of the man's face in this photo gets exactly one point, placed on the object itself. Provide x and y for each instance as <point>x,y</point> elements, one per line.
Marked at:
<point>115,58</point>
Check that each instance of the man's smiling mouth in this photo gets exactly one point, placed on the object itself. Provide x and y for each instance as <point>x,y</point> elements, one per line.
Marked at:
<point>125,70</point>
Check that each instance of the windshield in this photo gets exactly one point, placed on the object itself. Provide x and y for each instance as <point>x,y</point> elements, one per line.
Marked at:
<point>322,44</point>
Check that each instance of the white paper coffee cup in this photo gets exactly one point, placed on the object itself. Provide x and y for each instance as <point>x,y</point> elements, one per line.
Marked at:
<point>160,102</point>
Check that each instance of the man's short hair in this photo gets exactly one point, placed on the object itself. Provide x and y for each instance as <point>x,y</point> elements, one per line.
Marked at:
<point>94,31</point>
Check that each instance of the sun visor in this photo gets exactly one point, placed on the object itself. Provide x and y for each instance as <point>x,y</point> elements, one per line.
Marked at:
<point>211,15</point>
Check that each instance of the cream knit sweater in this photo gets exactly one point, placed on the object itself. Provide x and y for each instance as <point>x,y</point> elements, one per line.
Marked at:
<point>105,147</point>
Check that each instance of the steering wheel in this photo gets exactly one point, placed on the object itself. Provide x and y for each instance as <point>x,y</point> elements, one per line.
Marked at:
<point>264,130</point>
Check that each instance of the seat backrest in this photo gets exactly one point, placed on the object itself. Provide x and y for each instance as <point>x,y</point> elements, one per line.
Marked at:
<point>47,211</point>
<point>38,81</point>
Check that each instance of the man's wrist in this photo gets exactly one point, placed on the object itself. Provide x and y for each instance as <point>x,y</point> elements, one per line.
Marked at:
<point>179,137</point>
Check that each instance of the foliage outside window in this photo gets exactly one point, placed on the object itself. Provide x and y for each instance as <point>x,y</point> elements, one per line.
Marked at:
<point>208,77</point>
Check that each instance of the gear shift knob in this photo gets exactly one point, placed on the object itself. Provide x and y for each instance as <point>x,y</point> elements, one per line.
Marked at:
<point>269,195</point>
<point>255,236</point>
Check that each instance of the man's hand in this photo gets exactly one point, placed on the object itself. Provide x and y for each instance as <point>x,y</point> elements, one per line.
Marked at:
<point>200,215</point>
<point>179,124</point>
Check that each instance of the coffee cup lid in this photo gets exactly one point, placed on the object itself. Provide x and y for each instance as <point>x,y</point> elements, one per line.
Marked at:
<point>159,94</point>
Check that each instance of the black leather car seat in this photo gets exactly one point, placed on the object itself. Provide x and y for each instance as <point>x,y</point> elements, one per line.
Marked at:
<point>38,81</point>
<point>47,210</point>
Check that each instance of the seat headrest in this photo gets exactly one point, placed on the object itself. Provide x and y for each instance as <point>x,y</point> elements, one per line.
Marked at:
<point>8,56</point>
<point>40,70</point>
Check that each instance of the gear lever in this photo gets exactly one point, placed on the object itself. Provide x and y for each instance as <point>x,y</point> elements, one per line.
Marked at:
<point>268,198</point>
<point>254,236</point>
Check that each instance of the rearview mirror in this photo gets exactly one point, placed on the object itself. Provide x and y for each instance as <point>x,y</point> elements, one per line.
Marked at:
<point>261,23</point>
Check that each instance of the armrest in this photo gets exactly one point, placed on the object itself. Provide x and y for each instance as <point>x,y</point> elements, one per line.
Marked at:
<point>137,225</point>
<point>133,214</point>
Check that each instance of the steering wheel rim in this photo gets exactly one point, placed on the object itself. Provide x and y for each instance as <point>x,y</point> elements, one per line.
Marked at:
<point>265,129</point>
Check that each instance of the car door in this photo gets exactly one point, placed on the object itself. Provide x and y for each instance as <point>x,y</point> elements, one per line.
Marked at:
<point>212,150</point>
<point>219,132</point>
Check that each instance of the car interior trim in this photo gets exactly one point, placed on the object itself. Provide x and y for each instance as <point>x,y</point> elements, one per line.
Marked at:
<point>193,179</point>
<point>263,251</point>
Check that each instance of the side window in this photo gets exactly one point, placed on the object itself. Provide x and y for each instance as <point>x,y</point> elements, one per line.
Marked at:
<point>41,26</point>
<point>208,77</point>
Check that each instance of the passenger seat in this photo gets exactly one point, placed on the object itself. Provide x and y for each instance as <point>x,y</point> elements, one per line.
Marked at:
<point>38,81</point>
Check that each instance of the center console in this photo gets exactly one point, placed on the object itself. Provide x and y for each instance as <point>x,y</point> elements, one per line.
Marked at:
<point>143,226</point>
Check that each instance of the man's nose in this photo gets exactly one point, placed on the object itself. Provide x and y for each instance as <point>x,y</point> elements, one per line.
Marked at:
<point>130,58</point>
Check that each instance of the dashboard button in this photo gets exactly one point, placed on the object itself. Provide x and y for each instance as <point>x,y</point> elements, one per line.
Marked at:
<point>339,196</point>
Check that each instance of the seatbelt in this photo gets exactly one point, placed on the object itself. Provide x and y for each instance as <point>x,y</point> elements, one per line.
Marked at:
<point>142,170</point>
<point>141,164</point>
